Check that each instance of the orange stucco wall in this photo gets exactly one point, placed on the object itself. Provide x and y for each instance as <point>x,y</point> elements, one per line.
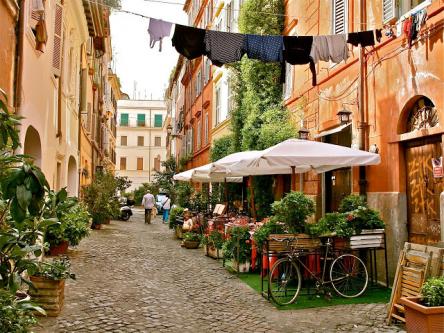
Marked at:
<point>8,14</point>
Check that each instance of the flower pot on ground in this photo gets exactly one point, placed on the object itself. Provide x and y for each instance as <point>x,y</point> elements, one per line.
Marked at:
<point>425,313</point>
<point>191,240</point>
<point>61,248</point>
<point>243,267</point>
<point>213,244</point>
<point>237,246</point>
<point>48,285</point>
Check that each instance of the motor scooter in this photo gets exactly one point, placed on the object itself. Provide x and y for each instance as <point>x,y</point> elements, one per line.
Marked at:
<point>125,210</point>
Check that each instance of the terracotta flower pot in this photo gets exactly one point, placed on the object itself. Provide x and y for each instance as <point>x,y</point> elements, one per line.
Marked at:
<point>96,226</point>
<point>49,294</point>
<point>56,250</point>
<point>422,319</point>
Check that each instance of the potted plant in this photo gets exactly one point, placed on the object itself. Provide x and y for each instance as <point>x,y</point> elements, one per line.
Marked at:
<point>48,284</point>
<point>213,244</point>
<point>237,248</point>
<point>16,313</point>
<point>425,313</point>
<point>191,240</point>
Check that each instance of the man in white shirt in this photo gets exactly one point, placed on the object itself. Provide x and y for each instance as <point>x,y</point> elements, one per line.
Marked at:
<point>148,202</point>
<point>166,205</point>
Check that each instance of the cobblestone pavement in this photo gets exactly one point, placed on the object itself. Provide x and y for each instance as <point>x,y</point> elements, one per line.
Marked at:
<point>133,277</point>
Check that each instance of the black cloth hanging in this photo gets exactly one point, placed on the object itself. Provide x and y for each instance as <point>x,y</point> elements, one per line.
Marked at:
<point>297,52</point>
<point>365,38</point>
<point>223,47</point>
<point>189,41</point>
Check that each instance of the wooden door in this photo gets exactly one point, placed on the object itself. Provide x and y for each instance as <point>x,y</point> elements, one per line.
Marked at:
<point>337,186</point>
<point>423,191</point>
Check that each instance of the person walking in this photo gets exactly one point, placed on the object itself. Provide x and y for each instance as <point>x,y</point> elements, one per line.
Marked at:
<point>166,206</point>
<point>148,202</point>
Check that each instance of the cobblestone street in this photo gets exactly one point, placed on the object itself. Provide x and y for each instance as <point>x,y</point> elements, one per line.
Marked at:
<point>133,277</point>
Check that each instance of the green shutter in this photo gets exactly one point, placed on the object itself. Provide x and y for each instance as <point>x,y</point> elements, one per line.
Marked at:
<point>124,119</point>
<point>141,120</point>
<point>157,120</point>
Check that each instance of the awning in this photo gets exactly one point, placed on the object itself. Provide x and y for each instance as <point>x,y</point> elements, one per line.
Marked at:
<point>331,131</point>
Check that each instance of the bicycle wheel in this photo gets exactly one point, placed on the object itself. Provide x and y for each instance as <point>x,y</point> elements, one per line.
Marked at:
<point>284,281</point>
<point>348,276</point>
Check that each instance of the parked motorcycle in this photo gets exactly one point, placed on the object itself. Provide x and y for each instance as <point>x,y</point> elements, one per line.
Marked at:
<point>125,210</point>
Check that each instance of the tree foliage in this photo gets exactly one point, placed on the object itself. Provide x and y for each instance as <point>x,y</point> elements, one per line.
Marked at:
<point>222,147</point>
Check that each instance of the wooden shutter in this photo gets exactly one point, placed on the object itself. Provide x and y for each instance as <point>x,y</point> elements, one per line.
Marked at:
<point>58,31</point>
<point>340,20</point>
<point>389,10</point>
<point>141,120</point>
<point>140,163</point>
<point>124,119</point>
<point>123,163</point>
<point>157,120</point>
<point>140,141</point>
<point>157,141</point>
<point>123,140</point>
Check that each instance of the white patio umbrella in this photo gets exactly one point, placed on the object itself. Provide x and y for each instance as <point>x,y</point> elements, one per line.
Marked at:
<point>201,174</point>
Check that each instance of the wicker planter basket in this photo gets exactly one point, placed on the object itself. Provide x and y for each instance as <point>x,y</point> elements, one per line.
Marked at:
<point>50,294</point>
<point>56,250</point>
<point>191,244</point>
<point>422,319</point>
<point>301,241</point>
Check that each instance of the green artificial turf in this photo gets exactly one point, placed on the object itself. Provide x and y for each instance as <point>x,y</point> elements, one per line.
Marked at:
<point>373,294</point>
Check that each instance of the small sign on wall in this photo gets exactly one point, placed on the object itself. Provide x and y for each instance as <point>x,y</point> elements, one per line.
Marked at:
<point>438,171</point>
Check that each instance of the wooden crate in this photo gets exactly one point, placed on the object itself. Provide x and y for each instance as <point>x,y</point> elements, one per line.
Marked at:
<point>49,294</point>
<point>300,241</point>
<point>370,240</point>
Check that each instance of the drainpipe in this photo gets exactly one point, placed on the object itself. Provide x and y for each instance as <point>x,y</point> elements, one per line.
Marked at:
<point>83,109</point>
<point>18,73</point>
<point>362,126</point>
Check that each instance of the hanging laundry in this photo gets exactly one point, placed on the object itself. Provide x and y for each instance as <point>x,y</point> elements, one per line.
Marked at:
<point>364,38</point>
<point>297,52</point>
<point>265,48</point>
<point>406,25</point>
<point>158,29</point>
<point>422,18</point>
<point>189,41</point>
<point>332,47</point>
<point>413,33</point>
<point>41,35</point>
<point>223,47</point>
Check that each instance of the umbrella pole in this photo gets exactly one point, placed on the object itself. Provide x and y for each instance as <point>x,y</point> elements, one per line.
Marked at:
<point>226,192</point>
<point>253,207</point>
<point>293,178</point>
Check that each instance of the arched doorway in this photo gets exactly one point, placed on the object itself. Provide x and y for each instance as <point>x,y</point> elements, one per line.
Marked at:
<point>423,186</point>
<point>72,177</point>
<point>32,146</point>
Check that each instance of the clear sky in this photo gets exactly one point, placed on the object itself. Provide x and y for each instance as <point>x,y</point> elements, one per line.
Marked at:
<point>134,60</point>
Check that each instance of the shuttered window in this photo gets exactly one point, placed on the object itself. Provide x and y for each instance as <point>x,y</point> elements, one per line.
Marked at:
<point>140,163</point>
<point>123,140</point>
<point>123,163</point>
<point>157,120</point>
<point>340,17</point>
<point>157,141</point>
<point>389,10</point>
<point>141,120</point>
<point>37,10</point>
<point>140,141</point>
<point>124,119</point>
<point>58,32</point>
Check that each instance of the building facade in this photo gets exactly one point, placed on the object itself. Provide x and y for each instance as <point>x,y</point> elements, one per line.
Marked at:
<point>395,95</point>
<point>141,140</point>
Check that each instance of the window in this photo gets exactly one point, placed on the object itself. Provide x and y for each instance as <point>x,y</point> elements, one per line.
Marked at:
<point>157,163</point>
<point>288,80</point>
<point>157,120</point>
<point>58,33</point>
<point>207,70</point>
<point>123,140</point>
<point>140,163</point>
<point>124,119</point>
<point>230,96</point>
<point>340,17</point>
<point>123,163</point>
<point>157,141</point>
<point>229,24</point>
<point>206,128</point>
<point>140,141</point>
<point>199,133</point>
<point>141,120</point>
<point>394,9</point>
<point>218,104</point>
<point>198,83</point>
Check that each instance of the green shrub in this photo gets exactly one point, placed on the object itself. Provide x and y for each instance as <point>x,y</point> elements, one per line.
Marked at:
<point>192,236</point>
<point>336,223</point>
<point>216,239</point>
<point>58,269</point>
<point>237,246</point>
<point>351,202</point>
<point>432,291</point>
<point>174,213</point>
<point>293,210</point>
<point>16,316</point>
<point>262,233</point>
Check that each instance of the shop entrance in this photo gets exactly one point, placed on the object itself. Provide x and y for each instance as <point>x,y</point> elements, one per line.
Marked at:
<point>337,182</point>
<point>423,190</point>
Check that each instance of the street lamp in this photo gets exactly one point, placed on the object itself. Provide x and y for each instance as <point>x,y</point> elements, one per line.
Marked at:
<point>169,129</point>
<point>344,116</point>
<point>303,133</point>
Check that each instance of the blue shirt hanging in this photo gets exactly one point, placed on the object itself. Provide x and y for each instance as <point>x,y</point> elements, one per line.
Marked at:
<point>265,48</point>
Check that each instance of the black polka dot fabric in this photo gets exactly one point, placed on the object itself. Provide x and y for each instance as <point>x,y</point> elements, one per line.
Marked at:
<point>265,48</point>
